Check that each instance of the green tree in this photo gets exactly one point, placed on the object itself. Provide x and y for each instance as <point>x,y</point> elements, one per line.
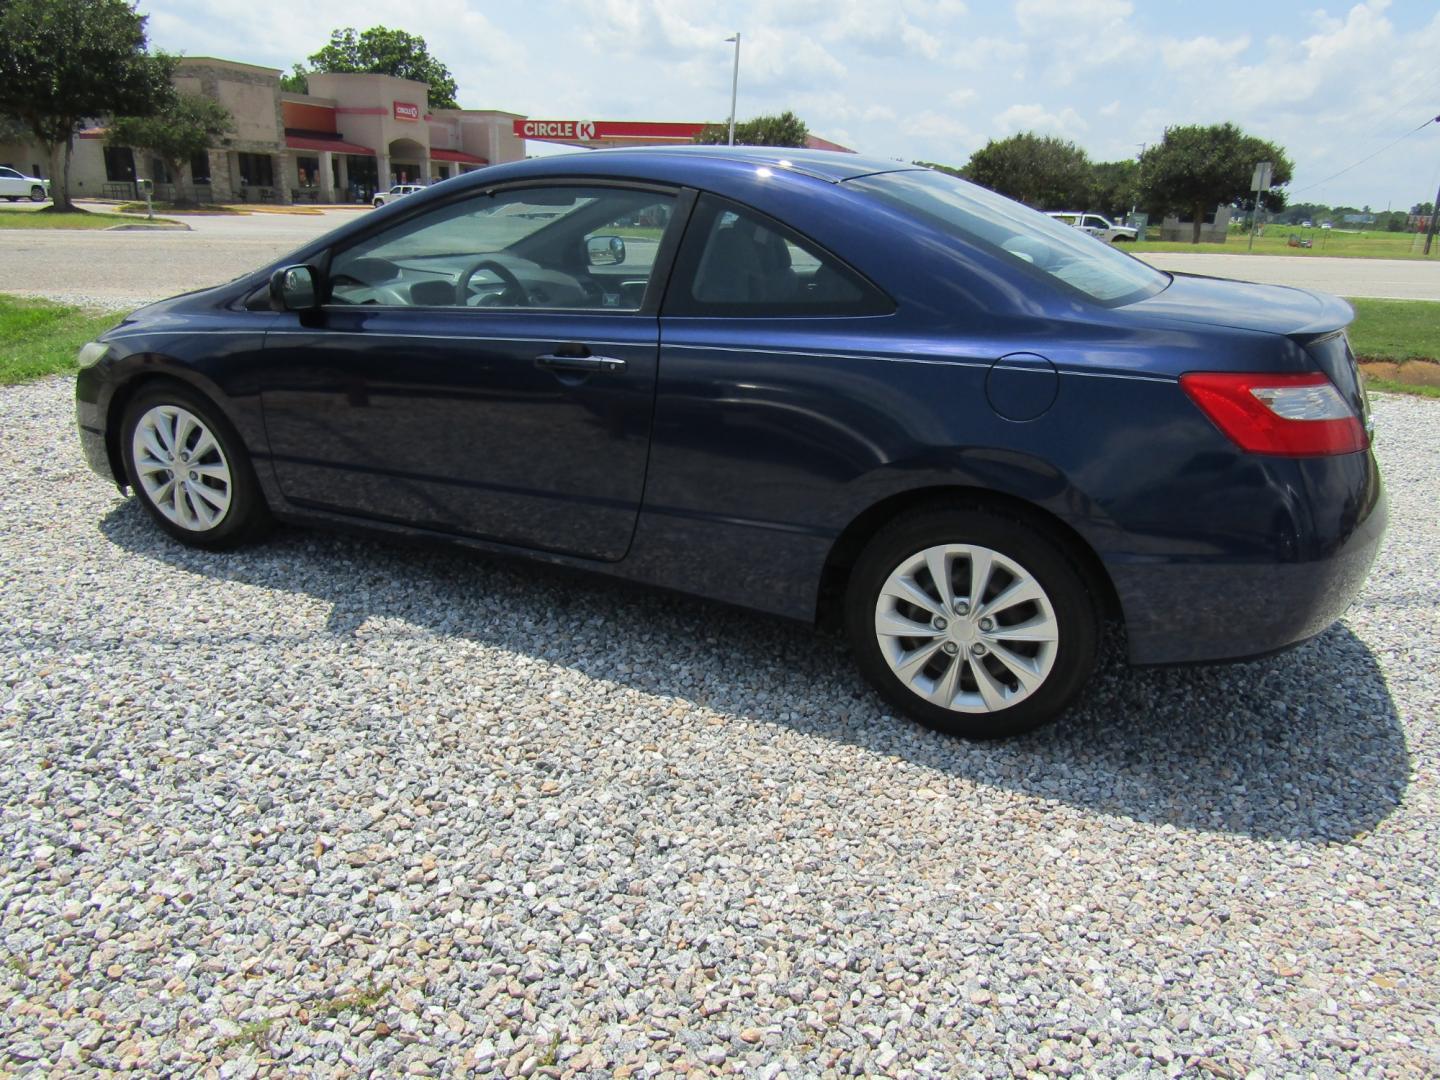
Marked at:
<point>187,125</point>
<point>1039,170</point>
<point>63,61</point>
<point>784,129</point>
<point>13,129</point>
<point>1114,187</point>
<point>1197,167</point>
<point>297,82</point>
<point>379,51</point>
<point>949,170</point>
<point>1294,213</point>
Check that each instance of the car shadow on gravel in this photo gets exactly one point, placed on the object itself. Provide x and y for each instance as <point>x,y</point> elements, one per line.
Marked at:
<point>1304,746</point>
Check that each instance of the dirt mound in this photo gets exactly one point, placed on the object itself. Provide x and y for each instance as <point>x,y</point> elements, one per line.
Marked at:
<point>1407,372</point>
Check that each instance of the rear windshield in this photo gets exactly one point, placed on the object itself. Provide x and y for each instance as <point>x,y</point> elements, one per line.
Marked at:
<point>1019,234</point>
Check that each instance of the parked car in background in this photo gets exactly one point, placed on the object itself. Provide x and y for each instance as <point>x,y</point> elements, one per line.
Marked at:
<point>1099,227</point>
<point>15,185</point>
<point>396,192</point>
<point>1307,224</point>
<point>842,390</point>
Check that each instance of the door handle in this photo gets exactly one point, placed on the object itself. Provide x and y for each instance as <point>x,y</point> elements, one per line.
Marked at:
<point>605,365</point>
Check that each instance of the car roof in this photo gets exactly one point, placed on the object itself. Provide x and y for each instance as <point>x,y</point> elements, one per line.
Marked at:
<point>831,165</point>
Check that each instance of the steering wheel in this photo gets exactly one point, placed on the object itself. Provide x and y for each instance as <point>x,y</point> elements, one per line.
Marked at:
<point>501,271</point>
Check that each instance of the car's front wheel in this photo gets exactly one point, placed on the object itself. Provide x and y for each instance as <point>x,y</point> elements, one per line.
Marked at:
<point>189,468</point>
<point>37,194</point>
<point>974,622</point>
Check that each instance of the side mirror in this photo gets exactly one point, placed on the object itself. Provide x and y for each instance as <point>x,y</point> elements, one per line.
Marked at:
<point>605,250</point>
<point>294,288</point>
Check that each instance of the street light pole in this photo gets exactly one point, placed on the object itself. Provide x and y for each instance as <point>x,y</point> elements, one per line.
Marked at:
<point>1133,204</point>
<point>734,86</point>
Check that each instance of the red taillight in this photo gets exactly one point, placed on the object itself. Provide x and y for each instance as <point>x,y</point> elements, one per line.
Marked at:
<point>1288,415</point>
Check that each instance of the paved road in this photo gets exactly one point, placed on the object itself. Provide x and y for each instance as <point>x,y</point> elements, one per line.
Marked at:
<point>1395,278</point>
<point>119,268</point>
<point>136,267</point>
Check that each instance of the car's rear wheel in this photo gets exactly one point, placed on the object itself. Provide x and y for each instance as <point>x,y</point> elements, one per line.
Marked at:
<point>37,194</point>
<point>973,622</point>
<point>190,470</point>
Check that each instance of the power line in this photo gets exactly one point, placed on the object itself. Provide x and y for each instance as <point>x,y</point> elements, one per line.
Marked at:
<point>1362,161</point>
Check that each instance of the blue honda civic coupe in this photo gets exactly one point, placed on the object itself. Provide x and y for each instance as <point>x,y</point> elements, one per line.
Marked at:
<point>842,390</point>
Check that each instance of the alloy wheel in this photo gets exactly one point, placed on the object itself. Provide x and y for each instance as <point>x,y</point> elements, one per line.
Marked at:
<point>182,468</point>
<point>966,628</point>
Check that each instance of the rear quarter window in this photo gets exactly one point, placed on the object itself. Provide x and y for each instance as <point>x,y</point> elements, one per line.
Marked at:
<point>738,261</point>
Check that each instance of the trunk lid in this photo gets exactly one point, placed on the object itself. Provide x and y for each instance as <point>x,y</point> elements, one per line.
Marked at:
<point>1314,321</point>
<point>1245,305</point>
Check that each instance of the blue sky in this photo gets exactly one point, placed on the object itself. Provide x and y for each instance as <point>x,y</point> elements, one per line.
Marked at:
<point>926,79</point>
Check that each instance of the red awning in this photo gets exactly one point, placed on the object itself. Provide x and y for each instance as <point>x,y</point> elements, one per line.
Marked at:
<point>456,155</point>
<point>306,142</point>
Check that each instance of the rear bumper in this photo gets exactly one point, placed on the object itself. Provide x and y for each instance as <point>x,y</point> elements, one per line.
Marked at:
<point>1196,609</point>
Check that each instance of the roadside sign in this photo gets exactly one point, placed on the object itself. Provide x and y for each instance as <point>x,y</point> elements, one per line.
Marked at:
<point>1259,183</point>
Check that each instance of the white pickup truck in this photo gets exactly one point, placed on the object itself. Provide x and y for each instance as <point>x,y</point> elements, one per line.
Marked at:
<point>1096,226</point>
<point>396,192</point>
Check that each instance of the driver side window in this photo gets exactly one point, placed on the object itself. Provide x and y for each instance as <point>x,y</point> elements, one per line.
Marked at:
<point>574,247</point>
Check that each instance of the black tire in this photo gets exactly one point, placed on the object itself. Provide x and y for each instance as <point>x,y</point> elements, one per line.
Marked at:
<point>37,194</point>
<point>1076,617</point>
<point>245,518</point>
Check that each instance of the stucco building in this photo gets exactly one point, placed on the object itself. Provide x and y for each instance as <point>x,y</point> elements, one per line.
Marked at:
<point>348,137</point>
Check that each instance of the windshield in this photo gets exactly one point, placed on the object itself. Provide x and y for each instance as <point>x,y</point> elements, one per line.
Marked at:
<point>1017,233</point>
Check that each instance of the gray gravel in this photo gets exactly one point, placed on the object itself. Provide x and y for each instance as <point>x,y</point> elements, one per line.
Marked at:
<point>337,807</point>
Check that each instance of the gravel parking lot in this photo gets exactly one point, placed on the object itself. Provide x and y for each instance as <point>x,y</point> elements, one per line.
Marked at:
<point>333,806</point>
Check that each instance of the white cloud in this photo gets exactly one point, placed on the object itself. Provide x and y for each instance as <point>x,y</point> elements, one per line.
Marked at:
<point>989,52</point>
<point>1082,34</point>
<point>959,99</point>
<point>930,123</point>
<point>1202,53</point>
<point>1044,16</point>
<point>937,9</point>
<point>1066,121</point>
<point>875,29</point>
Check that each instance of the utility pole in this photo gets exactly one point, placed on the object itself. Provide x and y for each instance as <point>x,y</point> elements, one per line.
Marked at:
<point>734,85</point>
<point>1434,212</point>
<point>1434,220</point>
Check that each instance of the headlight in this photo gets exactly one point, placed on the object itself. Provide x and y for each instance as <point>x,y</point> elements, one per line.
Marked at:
<point>92,353</point>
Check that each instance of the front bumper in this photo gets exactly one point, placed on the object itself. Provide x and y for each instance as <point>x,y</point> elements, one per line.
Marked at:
<point>90,425</point>
<point>1194,609</point>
